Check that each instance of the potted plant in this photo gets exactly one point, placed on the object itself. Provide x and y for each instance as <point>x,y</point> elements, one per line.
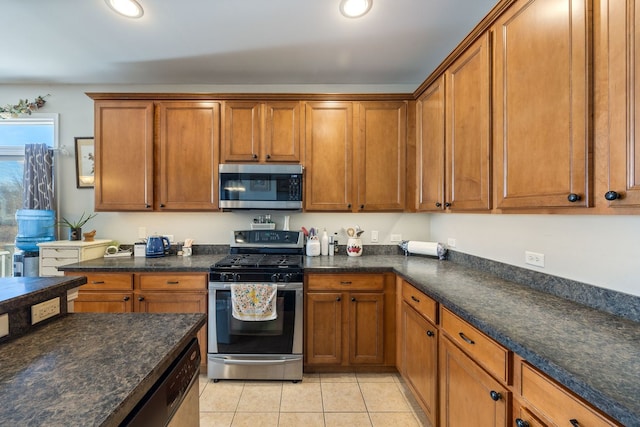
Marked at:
<point>75,227</point>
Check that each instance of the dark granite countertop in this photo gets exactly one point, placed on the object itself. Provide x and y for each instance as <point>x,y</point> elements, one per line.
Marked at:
<point>88,369</point>
<point>593,353</point>
<point>14,290</point>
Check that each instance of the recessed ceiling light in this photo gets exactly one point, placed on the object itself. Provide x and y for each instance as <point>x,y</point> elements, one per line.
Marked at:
<point>128,8</point>
<point>355,8</point>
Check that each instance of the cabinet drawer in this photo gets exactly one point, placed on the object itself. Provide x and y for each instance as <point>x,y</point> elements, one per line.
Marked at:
<point>50,271</point>
<point>552,401</point>
<point>345,282</point>
<point>55,262</point>
<point>107,281</point>
<point>480,347</point>
<point>171,282</point>
<point>423,304</point>
<point>59,253</point>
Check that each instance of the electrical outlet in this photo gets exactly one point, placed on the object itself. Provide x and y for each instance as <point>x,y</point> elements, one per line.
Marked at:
<point>374,236</point>
<point>142,232</point>
<point>4,325</point>
<point>45,310</point>
<point>170,237</point>
<point>396,238</point>
<point>534,258</point>
<point>451,242</point>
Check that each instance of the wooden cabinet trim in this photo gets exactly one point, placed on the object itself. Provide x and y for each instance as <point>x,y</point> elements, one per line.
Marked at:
<point>423,304</point>
<point>345,282</point>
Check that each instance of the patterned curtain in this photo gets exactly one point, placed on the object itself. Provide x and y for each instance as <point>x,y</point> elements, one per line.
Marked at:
<point>38,177</point>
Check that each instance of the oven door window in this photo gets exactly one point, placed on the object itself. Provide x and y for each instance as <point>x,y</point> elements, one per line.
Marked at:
<point>266,337</point>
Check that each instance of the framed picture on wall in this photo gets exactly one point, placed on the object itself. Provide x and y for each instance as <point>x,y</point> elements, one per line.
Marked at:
<point>85,162</point>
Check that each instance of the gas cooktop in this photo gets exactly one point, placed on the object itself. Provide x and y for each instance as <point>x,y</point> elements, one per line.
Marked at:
<point>249,261</point>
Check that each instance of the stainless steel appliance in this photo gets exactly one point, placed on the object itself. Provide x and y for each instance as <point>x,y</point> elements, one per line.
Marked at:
<point>258,350</point>
<point>272,187</point>
<point>173,400</point>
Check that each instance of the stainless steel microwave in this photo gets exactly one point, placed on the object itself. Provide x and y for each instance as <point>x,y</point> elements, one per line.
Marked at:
<point>256,186</point>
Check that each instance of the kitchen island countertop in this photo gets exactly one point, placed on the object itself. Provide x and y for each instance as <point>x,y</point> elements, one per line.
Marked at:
<point>593,353</point>
<point>89,369</point>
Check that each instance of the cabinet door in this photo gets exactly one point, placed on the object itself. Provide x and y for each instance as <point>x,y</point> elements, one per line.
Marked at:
<point>176,302</point>
<point>381,146</point>
<point>123,155</point>
<point>468,139</point>
<point>323,333</point>
<point>623,139</point>
<point>282,131</point>
<point>241,133</point>
<point>420,359</point>
<point>542,108</point>
<point>366,328</point>
<point>328,156</point>
<point>430,150</point>
<point>468,395</point>
<point>188,143</point>
<point>103,302</point>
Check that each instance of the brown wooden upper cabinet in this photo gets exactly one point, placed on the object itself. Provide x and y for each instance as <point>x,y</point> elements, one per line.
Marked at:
<point>124,166</point>
<point>454,139</point>
<point>622,148</point>
<point>134,174</point>
<point>381,156</point>
<point>368,175</point>
<point>262,132</point>
<point>542,135</point>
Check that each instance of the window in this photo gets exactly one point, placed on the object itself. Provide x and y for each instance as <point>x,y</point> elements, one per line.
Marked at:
<point>14,134</point>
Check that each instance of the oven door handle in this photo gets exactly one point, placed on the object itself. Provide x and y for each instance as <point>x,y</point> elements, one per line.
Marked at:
<point>291,286</point>
<point>259,362</point>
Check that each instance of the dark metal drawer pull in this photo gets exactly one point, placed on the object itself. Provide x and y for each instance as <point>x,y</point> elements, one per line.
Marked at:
<point>574,422</point>
<point>97,282</point>
<point>430,334</point>
<point>345,283</point>
<point>464,337</point>
<point>415,299</point>
<point>521,423</point>
<point>173,282</point>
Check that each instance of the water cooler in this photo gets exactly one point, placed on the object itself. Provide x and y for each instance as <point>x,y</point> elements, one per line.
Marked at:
<point>34,226</point>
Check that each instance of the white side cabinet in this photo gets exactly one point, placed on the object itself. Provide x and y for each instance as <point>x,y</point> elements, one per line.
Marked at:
<point>63,252</point>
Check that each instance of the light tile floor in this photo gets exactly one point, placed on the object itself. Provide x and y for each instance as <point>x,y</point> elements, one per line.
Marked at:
<point>322,400</point>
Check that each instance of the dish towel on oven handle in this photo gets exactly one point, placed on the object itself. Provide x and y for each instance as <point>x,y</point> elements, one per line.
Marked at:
<point>254,302</point>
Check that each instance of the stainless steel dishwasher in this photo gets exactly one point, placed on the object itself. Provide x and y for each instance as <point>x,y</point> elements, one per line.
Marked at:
<point>173,401</point>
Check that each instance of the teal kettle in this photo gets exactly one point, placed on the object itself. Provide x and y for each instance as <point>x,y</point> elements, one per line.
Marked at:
<point>156,246</point>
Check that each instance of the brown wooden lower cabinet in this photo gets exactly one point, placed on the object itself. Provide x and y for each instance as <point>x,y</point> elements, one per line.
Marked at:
<point>468,394</point>
<point>420,359</point>
<point>171,292</point>
<point>350,320</point>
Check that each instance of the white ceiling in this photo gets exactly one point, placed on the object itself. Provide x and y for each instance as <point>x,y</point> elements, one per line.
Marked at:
<point>264,42</point>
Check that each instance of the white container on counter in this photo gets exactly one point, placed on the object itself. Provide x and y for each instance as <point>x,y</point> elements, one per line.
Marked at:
<point>313,246</point>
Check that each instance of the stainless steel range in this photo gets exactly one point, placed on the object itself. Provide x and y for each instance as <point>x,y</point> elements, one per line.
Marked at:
<point>266,345</point>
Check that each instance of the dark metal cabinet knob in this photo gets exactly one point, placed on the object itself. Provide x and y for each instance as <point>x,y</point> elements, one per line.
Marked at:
<point>361,206</point>
<point>447,205</point>
<point>430,334</point>
<point>353,299</point>
<point>521,423</point>
<point>338,299</point>
<point>349,205</point>
<point>574,422</point>
<point>495,395</point>
<point>268,156</point>
<point>573,197</point>
<point>126,299</point>
<point>438,204</point>
<point>255,156</point>
<point>147,206</point>
<point>140,298</point>
<point>162,205</point>
<point>612,195</point>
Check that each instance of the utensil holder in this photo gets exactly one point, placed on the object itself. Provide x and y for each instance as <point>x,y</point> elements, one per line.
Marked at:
<point>354,246</point>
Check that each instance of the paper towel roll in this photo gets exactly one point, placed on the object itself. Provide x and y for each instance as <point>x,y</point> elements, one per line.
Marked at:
<point>422,248</point>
